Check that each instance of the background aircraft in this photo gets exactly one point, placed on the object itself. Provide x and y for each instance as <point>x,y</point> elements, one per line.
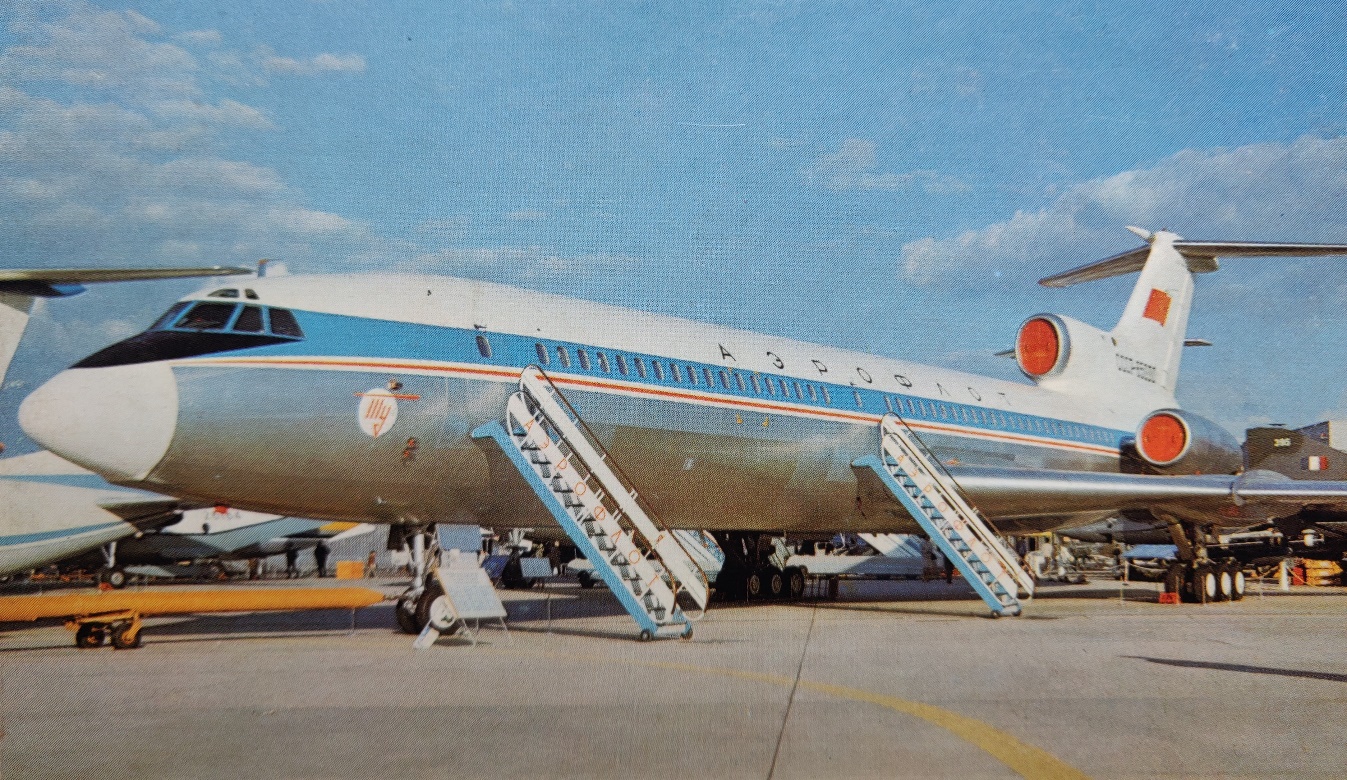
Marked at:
<point>206,536</point>
<point>49,508</point>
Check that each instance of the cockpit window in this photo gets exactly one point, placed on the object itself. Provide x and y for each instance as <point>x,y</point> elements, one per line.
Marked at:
<point>207,316</point>
<point>250,294</point>
<point>249,321</point>
<point>227,292</point>
<point>205,328</point>
<point>283,324</point>
<point>170,315</point>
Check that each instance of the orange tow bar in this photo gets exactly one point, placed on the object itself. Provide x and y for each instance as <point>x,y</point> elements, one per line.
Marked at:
<point>95,617</point>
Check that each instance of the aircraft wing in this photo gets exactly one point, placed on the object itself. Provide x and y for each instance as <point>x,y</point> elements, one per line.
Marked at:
<point>20,286</point>
<point>146,515</point>
<point>1219,499</point>
<point>14,276</point>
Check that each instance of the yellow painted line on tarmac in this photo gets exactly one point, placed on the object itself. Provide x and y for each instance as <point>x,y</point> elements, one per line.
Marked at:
<point>1025,759</point>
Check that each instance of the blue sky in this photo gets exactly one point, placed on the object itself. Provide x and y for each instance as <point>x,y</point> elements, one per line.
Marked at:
<point>888,177</point>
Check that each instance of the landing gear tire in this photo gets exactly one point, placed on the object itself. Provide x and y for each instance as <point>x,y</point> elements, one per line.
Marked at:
<point>424,608</point>
<point>646,635</point>
<point>1237,582</point>
<point>686,636</point>
<point>442,617</point>
<point>586,579</point>
<point>753,586</point>
<point>794,583</point>
<point>1174,578</point>
<point>115,577</point>
<point>776,583</point>
<point>125,636</point>
<point>1224,582</point>
<point>1204,585</point>
<point>405,612</point>
<point>89,636</point>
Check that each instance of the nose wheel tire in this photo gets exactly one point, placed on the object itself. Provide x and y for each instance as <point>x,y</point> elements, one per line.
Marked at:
<point>425,608</point>
<point>405,612</point>
<point>795,583</point>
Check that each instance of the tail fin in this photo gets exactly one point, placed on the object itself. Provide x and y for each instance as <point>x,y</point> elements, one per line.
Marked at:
<point>1149,337</point>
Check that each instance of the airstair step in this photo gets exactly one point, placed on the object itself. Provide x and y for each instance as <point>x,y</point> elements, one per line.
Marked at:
<point>642,562</point>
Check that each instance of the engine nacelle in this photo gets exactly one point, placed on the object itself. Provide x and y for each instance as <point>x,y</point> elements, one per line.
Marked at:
<point>1173,441</point>
<point>1043,346</point>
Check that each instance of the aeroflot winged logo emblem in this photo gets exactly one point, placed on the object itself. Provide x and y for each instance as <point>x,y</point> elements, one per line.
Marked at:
<point>378,411</point>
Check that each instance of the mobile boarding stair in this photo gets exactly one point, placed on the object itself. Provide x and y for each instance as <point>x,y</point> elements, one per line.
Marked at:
<point>643,563</point>
<point>914,476</point>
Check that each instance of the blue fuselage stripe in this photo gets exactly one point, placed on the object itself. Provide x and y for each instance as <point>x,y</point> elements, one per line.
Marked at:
<point>340,336</point>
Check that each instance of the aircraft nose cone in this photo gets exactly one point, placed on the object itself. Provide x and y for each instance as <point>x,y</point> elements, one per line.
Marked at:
<point>117,421</point>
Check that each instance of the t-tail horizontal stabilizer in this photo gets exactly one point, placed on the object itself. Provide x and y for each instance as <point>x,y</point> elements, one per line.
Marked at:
<point>1201,257</point>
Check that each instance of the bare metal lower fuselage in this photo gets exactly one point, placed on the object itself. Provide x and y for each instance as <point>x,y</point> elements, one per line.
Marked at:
<point>282,440</point>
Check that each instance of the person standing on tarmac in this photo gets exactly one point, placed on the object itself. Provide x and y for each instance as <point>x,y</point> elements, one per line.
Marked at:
<point>291,563</point>
<point>320,557</point>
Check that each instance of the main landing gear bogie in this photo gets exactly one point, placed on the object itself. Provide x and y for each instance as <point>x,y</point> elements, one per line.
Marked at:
<point>1206,582</point>
<point>768,584</point>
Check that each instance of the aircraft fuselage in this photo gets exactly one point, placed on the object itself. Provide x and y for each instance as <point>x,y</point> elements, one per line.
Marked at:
<point>365,415</point>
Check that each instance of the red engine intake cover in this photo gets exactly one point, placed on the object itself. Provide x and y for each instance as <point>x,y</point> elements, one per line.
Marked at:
<point>1038,347</point>
<point>1163,439</point>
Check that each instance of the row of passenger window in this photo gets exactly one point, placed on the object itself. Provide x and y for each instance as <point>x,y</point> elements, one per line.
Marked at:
<point>803,391</point>
<point>911,407</point>
<point>672,371</point>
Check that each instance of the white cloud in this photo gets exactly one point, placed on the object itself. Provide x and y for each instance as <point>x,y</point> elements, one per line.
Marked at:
<point>1267,191</point>
<point>105,50</point>
<point>200,37</point>
<point>852,167</point>
<point>113,150</point>
<point>322,63</point>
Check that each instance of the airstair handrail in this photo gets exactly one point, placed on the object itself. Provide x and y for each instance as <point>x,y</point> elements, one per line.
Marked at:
<point>605,462</point>
<point>981,530</point>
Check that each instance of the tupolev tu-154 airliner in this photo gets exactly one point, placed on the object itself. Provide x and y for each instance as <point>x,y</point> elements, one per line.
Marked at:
<point>355,397</point>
